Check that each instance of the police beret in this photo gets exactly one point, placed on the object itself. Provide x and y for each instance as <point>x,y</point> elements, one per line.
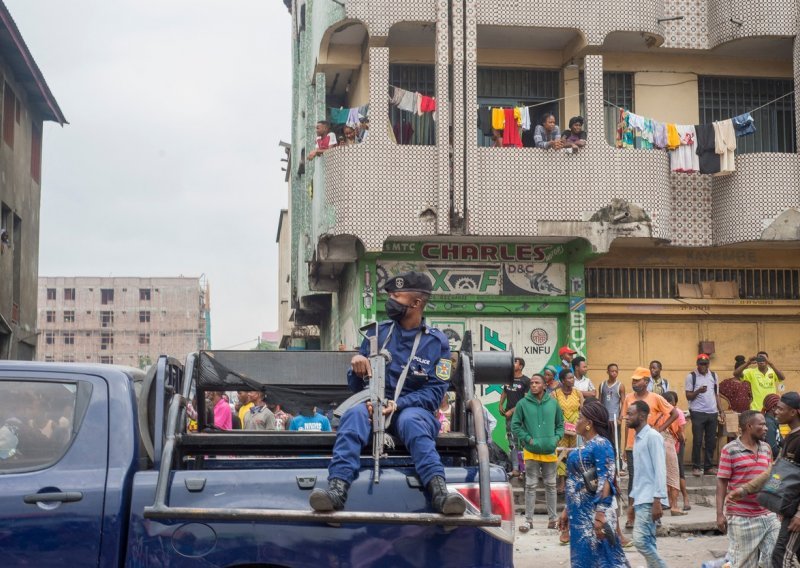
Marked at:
<point>409,282</point>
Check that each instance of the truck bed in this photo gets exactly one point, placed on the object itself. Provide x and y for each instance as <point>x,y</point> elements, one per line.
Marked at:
<point>295,544</point>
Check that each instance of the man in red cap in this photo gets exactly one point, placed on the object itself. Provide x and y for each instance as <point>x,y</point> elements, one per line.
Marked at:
<point>566,355</point>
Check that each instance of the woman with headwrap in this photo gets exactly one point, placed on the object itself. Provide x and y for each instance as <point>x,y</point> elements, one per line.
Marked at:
<point>591,515</point>
<point>550,381</point>
<point>773,428</point>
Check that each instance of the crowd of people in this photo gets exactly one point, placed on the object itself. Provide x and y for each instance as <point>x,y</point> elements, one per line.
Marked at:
<point>574,435</point>
<point>253,411</point>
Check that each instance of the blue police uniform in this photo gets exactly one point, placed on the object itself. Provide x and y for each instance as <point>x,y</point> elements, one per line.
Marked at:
<point>414,421</point>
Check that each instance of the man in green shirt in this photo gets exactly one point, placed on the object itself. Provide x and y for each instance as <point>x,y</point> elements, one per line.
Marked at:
<point>763,378</point>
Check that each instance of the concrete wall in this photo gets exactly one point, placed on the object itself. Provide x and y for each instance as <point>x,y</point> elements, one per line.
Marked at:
<point>21,194</point>
<point>177,323</point>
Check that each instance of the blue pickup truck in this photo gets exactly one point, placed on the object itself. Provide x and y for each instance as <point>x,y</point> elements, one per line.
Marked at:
<point>98,468</point>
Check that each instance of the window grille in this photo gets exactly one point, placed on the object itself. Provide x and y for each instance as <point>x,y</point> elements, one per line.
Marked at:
<point>662,283</point>
<point>725,97</point>
<point>417,79</point>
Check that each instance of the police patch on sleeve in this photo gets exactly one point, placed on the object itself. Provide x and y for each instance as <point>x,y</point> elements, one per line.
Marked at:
<point>443,369</point>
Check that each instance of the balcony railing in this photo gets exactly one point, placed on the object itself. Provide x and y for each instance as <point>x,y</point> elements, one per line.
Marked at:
<point>373,191</point>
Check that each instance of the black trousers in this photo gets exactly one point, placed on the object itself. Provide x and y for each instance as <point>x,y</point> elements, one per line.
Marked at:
<point>704,428</point>
<point>786,547</point>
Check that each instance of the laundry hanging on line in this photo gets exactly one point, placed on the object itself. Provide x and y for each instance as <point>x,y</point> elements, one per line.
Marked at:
<point>702,148</point>
<point>348,116</point>
<point>411,101</point>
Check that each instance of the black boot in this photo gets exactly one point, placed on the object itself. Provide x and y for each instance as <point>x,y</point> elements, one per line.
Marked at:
<point>331,499</point>
<point>443,501</point>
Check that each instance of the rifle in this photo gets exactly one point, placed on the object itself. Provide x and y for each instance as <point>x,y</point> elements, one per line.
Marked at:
<point>377,398</point>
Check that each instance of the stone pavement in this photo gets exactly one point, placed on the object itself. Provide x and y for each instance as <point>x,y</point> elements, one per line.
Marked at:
<point>687,547</point>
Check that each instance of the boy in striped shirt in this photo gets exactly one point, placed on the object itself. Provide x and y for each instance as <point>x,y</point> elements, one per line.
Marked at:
<point>752,529</point>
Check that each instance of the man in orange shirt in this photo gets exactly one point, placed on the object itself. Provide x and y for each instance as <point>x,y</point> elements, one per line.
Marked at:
<point>662,413</point>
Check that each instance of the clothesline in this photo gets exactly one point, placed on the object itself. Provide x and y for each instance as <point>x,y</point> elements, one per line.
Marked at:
<point>745,112</point>
<point>535,104</point>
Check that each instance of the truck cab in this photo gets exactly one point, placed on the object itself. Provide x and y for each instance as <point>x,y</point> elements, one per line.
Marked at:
<point>67,456</point>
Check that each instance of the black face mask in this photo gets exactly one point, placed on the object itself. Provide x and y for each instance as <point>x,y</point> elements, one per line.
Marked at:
<point>395,310</point>
<point>639,388</point>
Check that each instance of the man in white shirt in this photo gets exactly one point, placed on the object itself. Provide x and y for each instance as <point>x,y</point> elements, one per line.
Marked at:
<point>325,139</point>
<point>582,382</point>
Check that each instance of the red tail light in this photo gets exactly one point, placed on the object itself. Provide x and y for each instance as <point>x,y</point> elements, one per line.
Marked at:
<point>502,498</point>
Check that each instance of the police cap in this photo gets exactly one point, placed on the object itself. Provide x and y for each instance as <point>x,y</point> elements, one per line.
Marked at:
<point>409,282</point>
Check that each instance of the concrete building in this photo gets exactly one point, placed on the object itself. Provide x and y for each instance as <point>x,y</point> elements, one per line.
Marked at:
<point>125,321</point>
<point>606,249</point>
<point>26,103</point>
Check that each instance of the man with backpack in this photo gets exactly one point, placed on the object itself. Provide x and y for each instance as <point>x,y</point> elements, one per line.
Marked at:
<point>702,392</point>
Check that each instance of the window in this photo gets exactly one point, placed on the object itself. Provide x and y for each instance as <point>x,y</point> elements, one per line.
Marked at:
<point>36,153</point>
<point>51,293</point>
<point>50,403</point>
<point>618,90</point>
<point>144,339</point>
<point>144,316</point>
<point>69,294</point>
<point>51,316</point>
<point>69,316</point>
<point>69,358</point>
<point>9,110</point>
<point>517,87</point>
<point>414,78</point>
<point>726,97</point>
<point>49,358</point>
<point>106,340</point>
<point>106,295</point>
<point>69,338</point>
<point>107,359</point>
<point>144,294</point>
<point>106,319</point>
<point>50,337</point>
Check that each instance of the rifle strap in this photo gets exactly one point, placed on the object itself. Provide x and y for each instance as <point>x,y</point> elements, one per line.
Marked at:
<point>401,381</point>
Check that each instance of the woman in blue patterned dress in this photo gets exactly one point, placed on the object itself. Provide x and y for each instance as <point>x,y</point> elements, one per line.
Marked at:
<point>590,515</point>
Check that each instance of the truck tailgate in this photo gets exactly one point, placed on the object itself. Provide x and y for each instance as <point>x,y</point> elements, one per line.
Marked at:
<point>167,542</point>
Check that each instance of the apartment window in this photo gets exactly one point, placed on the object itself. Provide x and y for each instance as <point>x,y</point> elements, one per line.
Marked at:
<point>107,359</point>
<point>144,316</point>
<point>410,128</point>
<point>9,110</point>
<point>69,294</point>
<point>144,294</point>
<point>69,338</point>
<point>50,316</point>
<point>69,316</point>
<point>69,358</point>
<point>51,293</point>
<point>144,339</point>
<point>106,319</point>
<point>617,90</point>
<point>36,153</point>
<point>106,340</point>
<point>518,87</point>
<point>725,97</point>
<point>48,358</point>
<point>50,337</point>
<point>106,295</point>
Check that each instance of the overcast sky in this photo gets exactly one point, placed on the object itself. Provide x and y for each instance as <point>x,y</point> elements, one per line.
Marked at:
<point>170,164</point>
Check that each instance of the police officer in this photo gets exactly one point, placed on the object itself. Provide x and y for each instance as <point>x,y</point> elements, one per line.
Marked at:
<point>413,419</point>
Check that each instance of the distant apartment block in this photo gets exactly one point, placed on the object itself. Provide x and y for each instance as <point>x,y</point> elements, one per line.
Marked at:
<point>124,321</point>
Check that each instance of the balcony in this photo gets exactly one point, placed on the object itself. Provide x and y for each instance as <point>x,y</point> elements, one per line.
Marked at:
<point>380,15</point>
<point>759,201</point>
<point>750,19</point>
<point>372,191</point>
<point>592,19</point>
<point>532,192</point>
